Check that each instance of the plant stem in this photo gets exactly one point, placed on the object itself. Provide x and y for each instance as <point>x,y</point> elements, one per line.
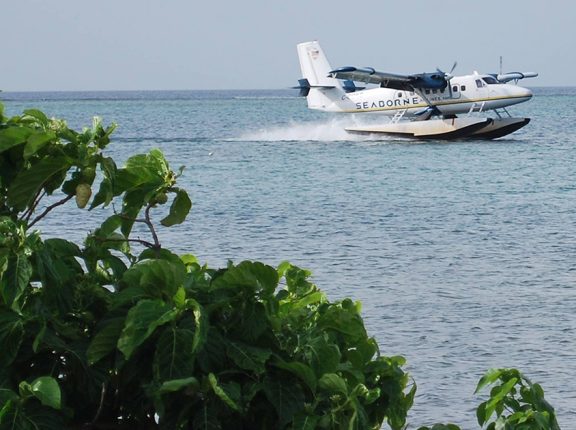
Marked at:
<point>28,213</point>
<point>140,241</point>
<point>49,208</point>
<point>148,222</point>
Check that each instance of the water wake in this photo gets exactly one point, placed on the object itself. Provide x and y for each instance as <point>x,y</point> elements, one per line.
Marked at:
<point>332,130</point>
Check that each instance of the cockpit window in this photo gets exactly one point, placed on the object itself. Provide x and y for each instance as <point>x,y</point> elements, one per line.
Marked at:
<point>479,83</point>
<point>490,80</point>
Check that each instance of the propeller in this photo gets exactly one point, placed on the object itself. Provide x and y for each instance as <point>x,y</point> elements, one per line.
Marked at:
<point>448,75</point>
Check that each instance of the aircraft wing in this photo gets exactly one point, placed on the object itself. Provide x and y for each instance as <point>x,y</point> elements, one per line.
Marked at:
<point>435,80</point>
<point>370,76</point>
<point>514,76</point>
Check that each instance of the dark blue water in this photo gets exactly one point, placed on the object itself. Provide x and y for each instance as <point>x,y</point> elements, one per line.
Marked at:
<point>463,253</point>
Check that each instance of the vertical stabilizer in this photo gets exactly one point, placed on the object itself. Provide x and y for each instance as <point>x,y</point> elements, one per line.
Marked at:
<point>314,65</point>
<point>325,93</point>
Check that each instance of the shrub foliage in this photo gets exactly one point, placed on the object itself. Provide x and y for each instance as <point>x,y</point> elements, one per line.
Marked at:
<point>123,333</point>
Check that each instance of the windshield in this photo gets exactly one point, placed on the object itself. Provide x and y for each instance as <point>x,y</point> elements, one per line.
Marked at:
<point>490,80</point>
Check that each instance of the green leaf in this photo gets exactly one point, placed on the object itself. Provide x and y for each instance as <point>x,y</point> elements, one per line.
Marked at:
<point>490,377</point>
<point>543,420</point>
<point>30,417</point>
<point>302,371</point>
<point>13,136</point>
<point>229,394</point>
<point>161,254</point>
<point>254,275</point>
<point>323,356</point>
<point>334,383</point>
<point>286,397</point>
<point>39,338</point>
<point>28,182</point>
<point>305,422</point>
<point>178,384</point>
<point>481,414</point>
<point>132,204</point>
<point>36,142</point>
<point>363,352</point>
<point>38,115</point>
<point>15,279</point>
<point>148,167</point>
<point>4,257</point>
<point>174,356</point>
<point>344,320</point>
<point>309,299</point>
<point>283,267</point>
<point>109,226</point>
<point>297,280</point>
<point>253,323</point>
<point>106,192</point>
<point>6,395</point>
<point>141,322</point>
<point>63,248</point>
<point>160,278</point>
<point>45,389</point>
<point>213,353</point>
<point>202,324</point>
<point>128,296</point>
<point>105,341</point>
<point>11,336</point>
<point>178,210</point>
<point>180,298</point>
<point>497,396</point>
<point>248,357</point>
<point>206,418</point>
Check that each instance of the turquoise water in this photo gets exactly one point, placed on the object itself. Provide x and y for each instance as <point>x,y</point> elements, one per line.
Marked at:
<point>463,253</point>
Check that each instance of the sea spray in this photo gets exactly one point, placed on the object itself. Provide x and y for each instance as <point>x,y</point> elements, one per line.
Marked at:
<point>332,130</point>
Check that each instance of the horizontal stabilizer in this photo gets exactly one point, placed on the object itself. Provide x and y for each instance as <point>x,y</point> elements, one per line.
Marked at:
<point>304,87</point>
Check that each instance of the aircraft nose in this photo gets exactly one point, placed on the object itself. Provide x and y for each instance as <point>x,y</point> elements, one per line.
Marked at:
<point>524,92</point>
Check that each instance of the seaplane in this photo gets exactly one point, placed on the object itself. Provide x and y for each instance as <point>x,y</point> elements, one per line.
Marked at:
<point>433,105</point>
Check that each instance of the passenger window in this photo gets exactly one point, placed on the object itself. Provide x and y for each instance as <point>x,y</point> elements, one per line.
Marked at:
<point>427,91</point>
<point>399,95</point>
<point>434,91</point>
<point>462,87</point>
<point>455,88</point>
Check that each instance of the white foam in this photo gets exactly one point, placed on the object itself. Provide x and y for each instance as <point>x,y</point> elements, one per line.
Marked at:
<point>332,130</point>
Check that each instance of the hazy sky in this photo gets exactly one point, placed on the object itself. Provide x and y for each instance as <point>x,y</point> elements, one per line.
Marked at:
<point>192,44</point>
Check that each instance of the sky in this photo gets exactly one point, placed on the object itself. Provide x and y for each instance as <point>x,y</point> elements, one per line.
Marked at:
<point>63,45</point>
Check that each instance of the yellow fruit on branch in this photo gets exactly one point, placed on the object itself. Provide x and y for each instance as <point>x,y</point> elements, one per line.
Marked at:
<point>83,193</point>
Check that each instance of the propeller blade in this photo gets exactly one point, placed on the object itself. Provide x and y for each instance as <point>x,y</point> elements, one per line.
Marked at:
<point>448,75</point>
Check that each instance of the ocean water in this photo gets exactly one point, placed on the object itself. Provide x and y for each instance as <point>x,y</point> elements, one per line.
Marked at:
<point>463,254</point>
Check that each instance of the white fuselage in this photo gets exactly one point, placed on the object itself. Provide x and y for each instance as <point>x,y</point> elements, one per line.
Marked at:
<point>464,94</point>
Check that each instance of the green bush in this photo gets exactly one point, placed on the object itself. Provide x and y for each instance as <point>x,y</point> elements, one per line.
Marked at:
<point>123,333</point>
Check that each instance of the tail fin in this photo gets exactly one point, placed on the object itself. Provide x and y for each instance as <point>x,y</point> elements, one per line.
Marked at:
<point>324,93</point>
